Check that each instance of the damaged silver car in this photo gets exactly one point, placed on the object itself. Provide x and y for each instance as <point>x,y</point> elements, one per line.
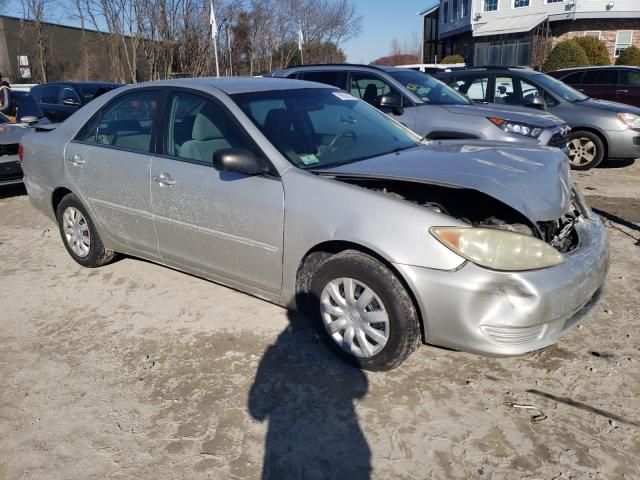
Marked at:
<point>302,195</point>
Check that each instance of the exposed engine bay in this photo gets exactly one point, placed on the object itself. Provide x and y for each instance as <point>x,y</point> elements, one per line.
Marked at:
<point>477,209</point>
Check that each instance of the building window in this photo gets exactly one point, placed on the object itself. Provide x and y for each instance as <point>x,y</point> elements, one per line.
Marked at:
<point>624,39</point>
<point>465,8</point>
<point>490,5</point>
<point>520,3</point>
<point>553,1</point>
<point>445,12</point>
<point>454,10</point>
<point>593,33</point>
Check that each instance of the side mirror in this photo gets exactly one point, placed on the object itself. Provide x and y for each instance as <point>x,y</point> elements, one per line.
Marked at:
<point>29,119</point>
<point>536,102</point>
<point>71,102</point>
<point>392,102</point>
<point>239,160</point>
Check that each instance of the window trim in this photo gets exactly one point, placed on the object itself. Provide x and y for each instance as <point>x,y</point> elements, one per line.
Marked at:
<point>484,4</point>
<point>154,129</point>
<point>162,129</point>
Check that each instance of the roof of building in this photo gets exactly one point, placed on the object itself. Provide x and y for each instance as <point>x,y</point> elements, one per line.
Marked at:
<point>500,26</point>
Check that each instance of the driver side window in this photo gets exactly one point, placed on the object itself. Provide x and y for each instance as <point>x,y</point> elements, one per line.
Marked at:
<point>370,88</point>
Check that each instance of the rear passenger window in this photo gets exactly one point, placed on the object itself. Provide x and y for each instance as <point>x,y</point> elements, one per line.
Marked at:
<point>337,79</point>
<point>600,77</point>
<point>474,88</point>
<point>199,127</point>
<point>127,123</point>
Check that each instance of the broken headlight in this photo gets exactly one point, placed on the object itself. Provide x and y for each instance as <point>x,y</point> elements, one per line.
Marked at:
<point>514,127</point>
<point>498,249</point>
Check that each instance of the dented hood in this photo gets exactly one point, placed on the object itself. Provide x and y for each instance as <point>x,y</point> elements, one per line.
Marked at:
<point>533,180</point>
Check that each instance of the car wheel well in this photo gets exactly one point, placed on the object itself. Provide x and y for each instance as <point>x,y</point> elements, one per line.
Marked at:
<point>595,132</point>
<point>323,251</point>
<point>56,198</point>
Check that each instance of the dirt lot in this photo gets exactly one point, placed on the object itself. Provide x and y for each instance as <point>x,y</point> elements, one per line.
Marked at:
<point>137,371</point>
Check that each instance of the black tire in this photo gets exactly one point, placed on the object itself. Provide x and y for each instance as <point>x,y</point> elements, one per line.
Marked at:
<point>97,255</point>
<point>575,154</point>
<point>403,330</point>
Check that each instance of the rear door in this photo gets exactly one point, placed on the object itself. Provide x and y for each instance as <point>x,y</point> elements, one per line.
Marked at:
<point>108,162</point>
<point>222,224</point>
<point>629,89</point>
<point>601,83</point>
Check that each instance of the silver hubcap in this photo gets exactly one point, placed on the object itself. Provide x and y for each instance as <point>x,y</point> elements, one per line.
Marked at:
<point>76,231</point>
<point>582,151</point>
<point>354,317</point>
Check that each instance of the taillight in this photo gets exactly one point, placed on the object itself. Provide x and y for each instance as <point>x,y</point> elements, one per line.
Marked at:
<point>20,152</point>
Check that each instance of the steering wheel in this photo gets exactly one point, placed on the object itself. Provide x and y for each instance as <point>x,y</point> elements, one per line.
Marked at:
<point>338,136</point>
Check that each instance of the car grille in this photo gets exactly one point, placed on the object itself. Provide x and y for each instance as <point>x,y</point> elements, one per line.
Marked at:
<point>512,335</point>
<point>560,139</point>
<point>11,149</point>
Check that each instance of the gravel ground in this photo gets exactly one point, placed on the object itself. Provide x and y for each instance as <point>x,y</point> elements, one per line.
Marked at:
<point>138,371</point>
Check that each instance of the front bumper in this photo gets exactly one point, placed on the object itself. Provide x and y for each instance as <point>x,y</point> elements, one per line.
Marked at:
<point>10,170</point>
<point>510,313</point>
<point>623,143</point>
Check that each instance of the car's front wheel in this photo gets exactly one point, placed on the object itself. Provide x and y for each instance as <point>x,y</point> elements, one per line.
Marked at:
<point>586,150</point>
<point>364,312</point>
<point>79,234</point>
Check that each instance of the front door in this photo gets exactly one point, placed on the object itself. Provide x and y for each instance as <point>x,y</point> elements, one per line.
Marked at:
<point>221,224</point>
<point>371,88</point>
<point>109,162</point>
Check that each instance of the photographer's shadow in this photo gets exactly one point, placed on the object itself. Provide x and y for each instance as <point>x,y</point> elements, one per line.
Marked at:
<point>307,393</point>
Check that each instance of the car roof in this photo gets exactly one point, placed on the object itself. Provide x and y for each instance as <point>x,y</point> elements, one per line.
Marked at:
<point>115,84</point>
<point>342,66</point>
<point>232,85</point>
<point>595,67</point>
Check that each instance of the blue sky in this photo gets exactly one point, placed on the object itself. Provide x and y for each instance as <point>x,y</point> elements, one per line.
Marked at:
<point>384,20</point>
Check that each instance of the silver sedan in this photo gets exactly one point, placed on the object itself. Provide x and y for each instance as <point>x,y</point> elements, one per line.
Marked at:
<point>307,197</point>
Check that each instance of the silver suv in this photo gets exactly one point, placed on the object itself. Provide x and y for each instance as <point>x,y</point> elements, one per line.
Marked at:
<point>433,109</point>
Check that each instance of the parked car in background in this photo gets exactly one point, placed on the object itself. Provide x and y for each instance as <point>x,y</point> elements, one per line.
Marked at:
<point>615,83</point>
<point>28,114</point>
<point>60,99</point>
<point>431,108</point>
<point>302,194</point>
<point>599,129</point>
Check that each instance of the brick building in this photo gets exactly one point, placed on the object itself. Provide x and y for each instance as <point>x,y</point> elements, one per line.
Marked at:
<point>522,32</point>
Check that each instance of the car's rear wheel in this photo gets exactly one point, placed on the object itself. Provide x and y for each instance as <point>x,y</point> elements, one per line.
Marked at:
<point>363,311</point>
<point>79,234</point>
<point>586,150</point>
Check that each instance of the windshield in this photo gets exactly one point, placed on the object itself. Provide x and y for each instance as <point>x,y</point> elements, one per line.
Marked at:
<point>319,128</point>
<point>559,88</point>
<point>89,92</point>
<point>430,90</point>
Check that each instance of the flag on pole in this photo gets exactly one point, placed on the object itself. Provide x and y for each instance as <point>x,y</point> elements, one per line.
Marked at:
<point>300,39</point>
<point>212,21</point>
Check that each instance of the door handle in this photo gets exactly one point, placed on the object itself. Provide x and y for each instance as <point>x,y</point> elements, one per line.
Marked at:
<point>164,179</point>
<point>76,159</point>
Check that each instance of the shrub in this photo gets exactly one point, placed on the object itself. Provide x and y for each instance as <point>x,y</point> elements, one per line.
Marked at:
<point>629,56</point>
<point>595,49</point>
<point>566,54</point>
<point>453,59</point>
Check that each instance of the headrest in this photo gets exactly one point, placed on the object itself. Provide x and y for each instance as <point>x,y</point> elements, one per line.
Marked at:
<point>205,129</point>
<point>278,118</point>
